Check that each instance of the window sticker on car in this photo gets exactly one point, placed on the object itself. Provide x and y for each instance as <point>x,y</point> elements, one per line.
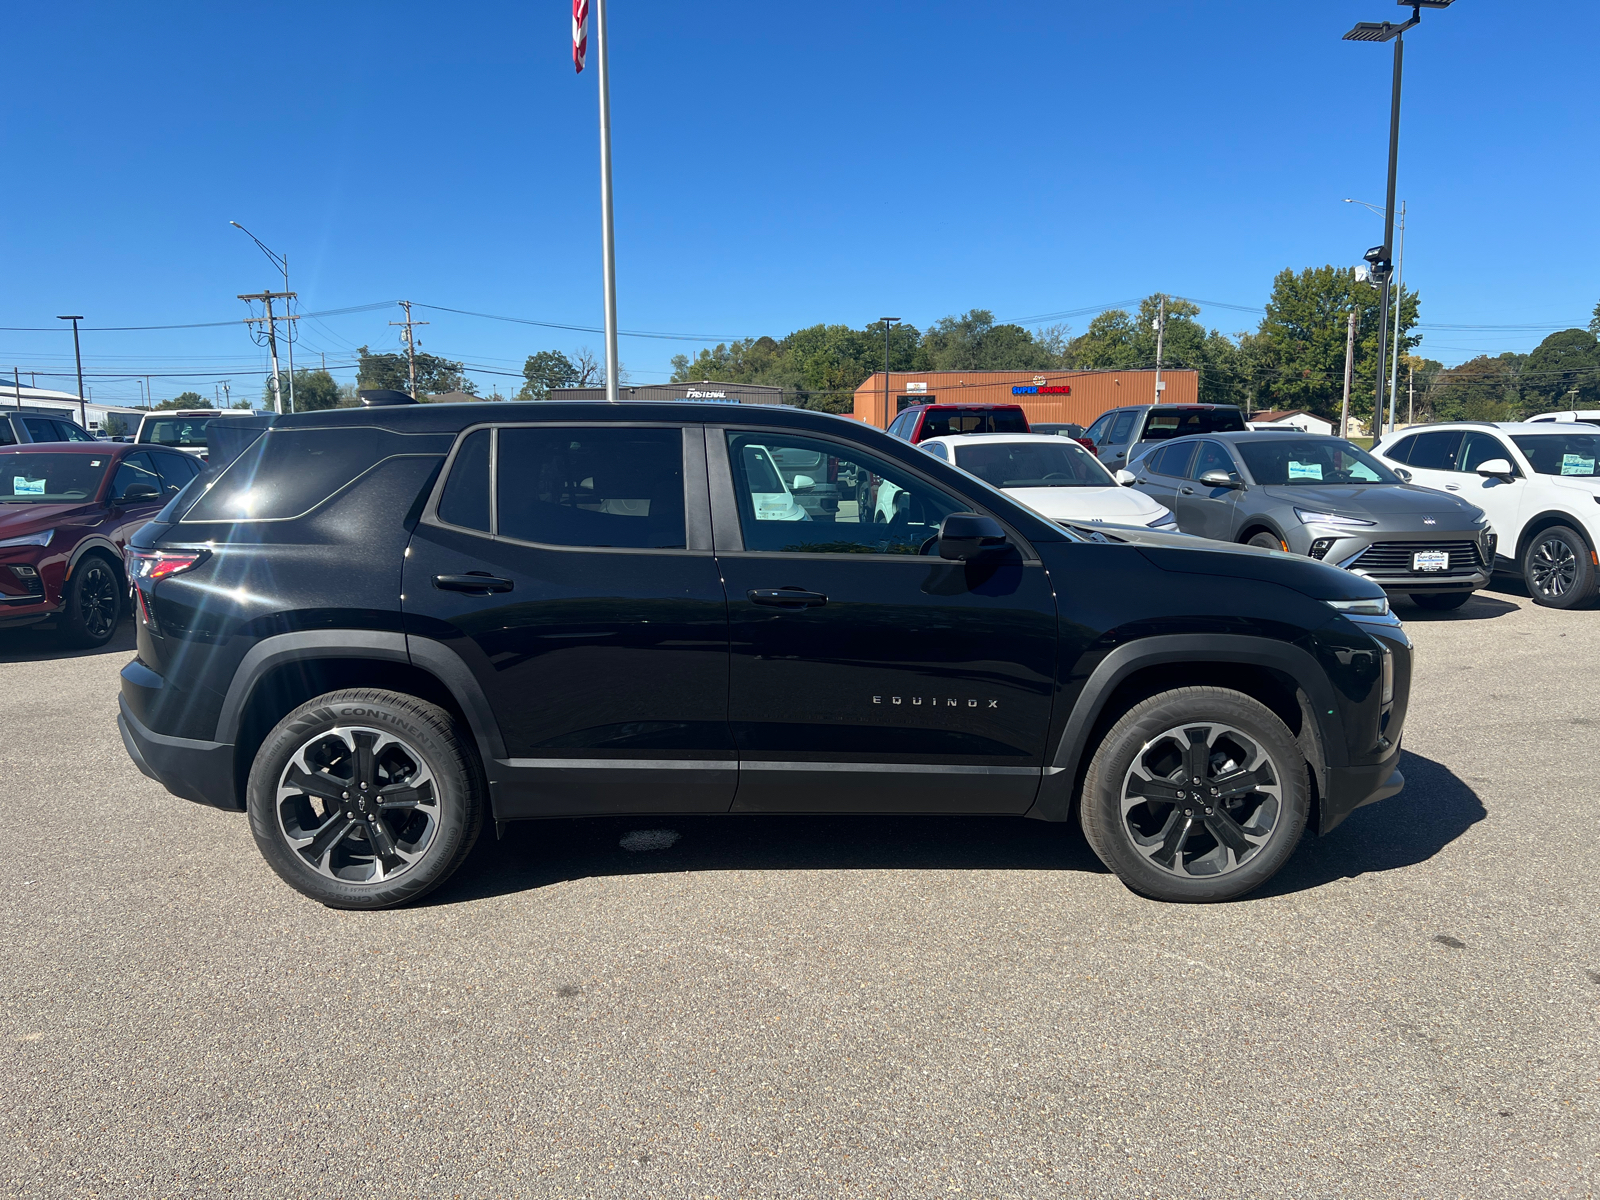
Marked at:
<point>1576,464</point>
<point>1300,470</point>
<point>21,485</point>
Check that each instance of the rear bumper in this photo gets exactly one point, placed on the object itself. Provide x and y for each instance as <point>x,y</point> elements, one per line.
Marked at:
<point>189,769</point>
<point>1350,788</point>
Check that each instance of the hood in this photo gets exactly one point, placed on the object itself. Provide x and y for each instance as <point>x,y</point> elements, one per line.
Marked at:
<point>1117,504</point>
<point>1401,504</point>
<point>16,520</point>
<point>1319,580</point>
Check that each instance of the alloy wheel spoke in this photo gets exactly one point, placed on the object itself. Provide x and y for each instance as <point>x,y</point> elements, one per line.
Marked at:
<point>366,764</point>
<point>404,795</point>
<point>1173,839</point>
<point>316,783</point>
<point>1229,833</point>
<point>326,838</point>
<point>1236,783</point>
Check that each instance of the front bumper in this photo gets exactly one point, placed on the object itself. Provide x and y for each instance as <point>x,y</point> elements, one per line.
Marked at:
<point>1350,788</point>
<point>1424,585</point>
<point>189,769</point>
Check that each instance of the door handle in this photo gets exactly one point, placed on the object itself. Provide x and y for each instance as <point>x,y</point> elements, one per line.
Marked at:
<point>786,597</point>
<point>1188,491</point>
<point>475,584</point>
<point>1452,487</point>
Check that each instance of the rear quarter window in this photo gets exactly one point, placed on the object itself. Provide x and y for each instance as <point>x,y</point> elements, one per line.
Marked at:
<point>287,472</point>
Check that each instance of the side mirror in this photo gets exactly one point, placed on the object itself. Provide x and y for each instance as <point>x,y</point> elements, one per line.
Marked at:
<point>964,536</point>
<point>802,482</point>
<point>1125,477</point>
<point>140,493</point>
<point>1403,474</point>
<point>1221,479</point>
<point>1496,468</point>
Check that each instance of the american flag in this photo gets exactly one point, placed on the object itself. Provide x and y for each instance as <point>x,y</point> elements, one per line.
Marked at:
<point>580,33</point>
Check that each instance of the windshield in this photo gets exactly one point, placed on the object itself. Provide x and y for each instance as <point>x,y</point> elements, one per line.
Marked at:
<point>1317,461</point>
<point>1561,453</point>
<point>50,478</point>
<point>1161,425</point>
<point>176,431</point>
<point>1033,464</point>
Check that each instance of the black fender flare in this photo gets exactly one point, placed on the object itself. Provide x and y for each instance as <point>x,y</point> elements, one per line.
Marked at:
<point>90,544</point>
<point>1326,746</point>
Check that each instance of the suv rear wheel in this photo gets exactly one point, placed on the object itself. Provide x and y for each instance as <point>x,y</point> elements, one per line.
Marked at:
<point>365,798</point>
<point>1197,794</point>
<point>1558,568</point>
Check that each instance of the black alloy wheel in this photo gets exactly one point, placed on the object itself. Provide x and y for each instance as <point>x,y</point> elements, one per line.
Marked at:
<point>1558,568</point>
<point>1197,794</point>
<point>94,603</point>
<point>364,798</point>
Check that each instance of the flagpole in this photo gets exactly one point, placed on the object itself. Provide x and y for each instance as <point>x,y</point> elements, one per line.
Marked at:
<point>608,247</point>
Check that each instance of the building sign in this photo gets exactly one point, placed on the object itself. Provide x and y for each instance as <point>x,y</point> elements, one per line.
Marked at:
<point>697,394</point>
<point>1064,389</point>
<point>916,387</point>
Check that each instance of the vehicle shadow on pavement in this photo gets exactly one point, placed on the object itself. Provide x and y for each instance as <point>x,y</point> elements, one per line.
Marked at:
<point>34,643</point>
<point>1434,810</point>
<point>1482,607</point>
<point>537,853</point>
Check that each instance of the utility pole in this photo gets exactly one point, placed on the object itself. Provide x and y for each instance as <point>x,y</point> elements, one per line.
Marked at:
<point>227,394</point>
<point>888,417</point>
<point>1411,395</point>
<point>16,378</point>
<point>411,343</point>
<point>271,321</point>
<point>83,411</point>
<point>149,396</point>
<point>1349,369</point>
<point>1399,303</point>
<point>1161,333</point>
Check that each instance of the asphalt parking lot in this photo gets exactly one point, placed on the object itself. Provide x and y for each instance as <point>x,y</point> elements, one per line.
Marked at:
<point>820,1007</point>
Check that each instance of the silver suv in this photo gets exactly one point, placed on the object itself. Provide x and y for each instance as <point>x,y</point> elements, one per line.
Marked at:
<point>1123,434</point>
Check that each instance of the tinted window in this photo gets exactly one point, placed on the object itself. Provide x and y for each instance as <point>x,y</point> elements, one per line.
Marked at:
<point>132,470</point>
<point>943,422</point>
<point>1561,453</point>
<point>51,478</point>
<point>889,510</point>
<point>1121,427</point>
<point>937,450</point>
<point>40,429</point>
<point>901,425</point>
<point>1172,460</point>
<point>1480,448</point>
<point>1401,451</point>
<point>175,471</point>
<point>71,433</point>
<point>1212,457</point>
<point>591,487</point>
<point>1098,429</point>
<point>7,438</point>
<point>1033,464</point>
<point>1161,424</point>
<point>287,472</point>
<point>1435,451</point>
<point>1311,461</point>
<point>465,500</point>
<point>175,431</point>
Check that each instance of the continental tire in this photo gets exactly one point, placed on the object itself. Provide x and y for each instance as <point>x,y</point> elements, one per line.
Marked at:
<point>1196,795</point>
<point>365,798</point>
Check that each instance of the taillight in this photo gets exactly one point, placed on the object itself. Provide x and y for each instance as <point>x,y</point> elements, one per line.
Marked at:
<point>149,566</point>
<point>1087,445</point>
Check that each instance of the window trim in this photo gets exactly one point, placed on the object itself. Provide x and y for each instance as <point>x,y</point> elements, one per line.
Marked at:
<point>696,531</point>
<point>728,533</point>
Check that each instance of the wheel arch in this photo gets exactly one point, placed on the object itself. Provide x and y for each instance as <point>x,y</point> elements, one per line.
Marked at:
<point>96,545</point>
<point>282,672</point>
<point>1534,526</point>
<point>1259,524</point>
<point>1281,676</point>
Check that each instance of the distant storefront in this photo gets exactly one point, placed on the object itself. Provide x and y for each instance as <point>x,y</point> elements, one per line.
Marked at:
<point>704,392</point>
<point>1059,396</point>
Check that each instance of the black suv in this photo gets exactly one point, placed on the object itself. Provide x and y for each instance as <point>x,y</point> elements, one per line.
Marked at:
<point>376,628</point>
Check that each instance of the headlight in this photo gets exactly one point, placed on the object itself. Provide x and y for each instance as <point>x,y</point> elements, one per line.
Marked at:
<point>1164,521</point>
<point>42,538</point>
<point>1321,518</point>
<point>1377,607</point>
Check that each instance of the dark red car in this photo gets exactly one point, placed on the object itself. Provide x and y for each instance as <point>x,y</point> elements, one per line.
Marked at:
<point>923,421</point>
<point>66,510</point>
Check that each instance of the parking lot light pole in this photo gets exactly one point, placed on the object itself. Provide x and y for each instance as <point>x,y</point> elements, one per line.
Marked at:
<point>1400,288</point>
<point>83,409</point>
<point>1382,257</point>
<point>888,417</point>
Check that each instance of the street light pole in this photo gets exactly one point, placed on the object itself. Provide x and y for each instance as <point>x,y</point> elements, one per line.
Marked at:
<point>1399,306</point>
<point>83,410</point>
<point>888,418</point>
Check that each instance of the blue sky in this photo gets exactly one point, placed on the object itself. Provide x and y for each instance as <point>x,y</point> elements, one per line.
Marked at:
<point>777,164</point>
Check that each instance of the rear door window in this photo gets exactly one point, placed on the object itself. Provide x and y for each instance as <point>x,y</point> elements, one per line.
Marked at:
<point>132,470</point>
<point>1172,460</point>
<point>1400,452</point>
<point>41,429</point>
<point>175,471</point>
<point>465,500</point>
<point>1435,451</point>
<point>615,486</point>
<point>1121,427</point>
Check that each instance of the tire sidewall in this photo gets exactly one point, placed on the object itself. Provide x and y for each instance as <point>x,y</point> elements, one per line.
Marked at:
<point>1102,792</point>
<point>73,629</point>
<point>426,732</point>
<point>1583,583</point>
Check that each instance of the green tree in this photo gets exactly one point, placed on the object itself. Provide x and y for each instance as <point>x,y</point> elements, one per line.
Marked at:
<point>185,400</point>
<point>434,374</point>
<point>315,391</point>
<point>973,342</point>
<point>545,370</point>
<point>115,425</point>
<point>1485,388</point>
<point>1563,372</point>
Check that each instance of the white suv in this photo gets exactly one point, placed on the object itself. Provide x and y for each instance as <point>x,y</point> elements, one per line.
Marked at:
<point>1539,484</point>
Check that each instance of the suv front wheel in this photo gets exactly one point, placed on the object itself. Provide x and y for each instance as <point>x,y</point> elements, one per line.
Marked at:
<point>364,798</point>
<point>1197,794</point>
<point>1558,568</point>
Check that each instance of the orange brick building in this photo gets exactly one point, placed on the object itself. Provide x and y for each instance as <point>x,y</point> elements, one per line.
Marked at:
<point>1082,395</point>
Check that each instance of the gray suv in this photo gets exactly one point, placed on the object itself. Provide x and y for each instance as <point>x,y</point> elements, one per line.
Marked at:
<point>1327,498</point>
<point>21,428</point>
<point>1123,434</point>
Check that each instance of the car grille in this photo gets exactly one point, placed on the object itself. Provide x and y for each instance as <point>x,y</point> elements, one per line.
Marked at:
<point>1394,558</point>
